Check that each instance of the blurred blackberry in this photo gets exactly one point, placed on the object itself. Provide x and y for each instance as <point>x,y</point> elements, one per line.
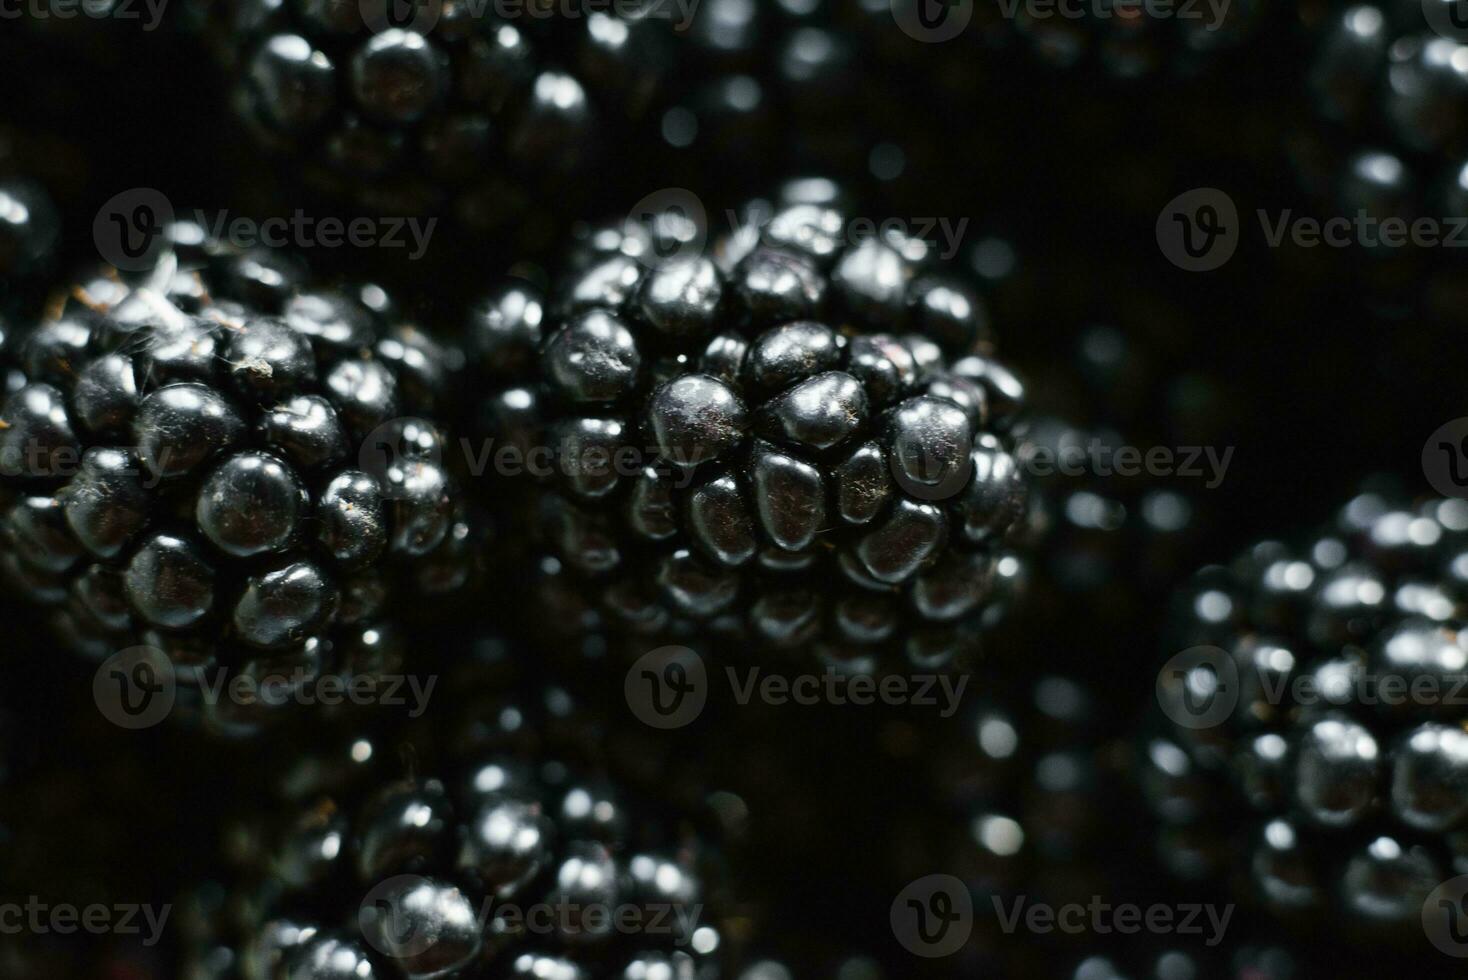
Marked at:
<point>1126,41</point>
<point>499,122</point>
<point>1127,441</point>
<point>1389,93</point>
<point>1324,706</point>
<point>1029,807</point>
<point>1020,793</point>
<point>510,866</point>
<point>227,463</point>
<point>797,438</point>
<point>774,88</point>
<point>1113,543</point>
<point>1116,40</point>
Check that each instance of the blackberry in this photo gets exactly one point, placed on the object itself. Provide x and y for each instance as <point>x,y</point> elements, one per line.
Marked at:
<point>773,88</point>
<point>798,438</point>
<point>1316,697</point>
<point>1115,41</point>
<point>492,118</point>
<point>1127,44</point>
<point>1129,440</point>
<point>512,865</point>
<point>1028,805</point>
<point>1388,93</point>
<point>228,464</point>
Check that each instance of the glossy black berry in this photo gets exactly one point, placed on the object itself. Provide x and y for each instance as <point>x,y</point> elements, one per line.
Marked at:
<point>187,477</point>
<point>513,863</point>
<point>498,124</point>
<point>1340,740</point>
<point>760,438</point>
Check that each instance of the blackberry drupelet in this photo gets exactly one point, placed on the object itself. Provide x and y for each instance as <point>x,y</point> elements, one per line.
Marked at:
<point>1326,705</point>
<point>494,120</point>
<point>798,438</point>
<point>226,463</point>
<point>511,866</point>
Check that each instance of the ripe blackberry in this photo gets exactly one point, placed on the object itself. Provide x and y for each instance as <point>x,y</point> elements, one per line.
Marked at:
<point>798,438</point>
<point>1324,705</point>
<point>1129,443</point>
<point>1388,94</point>
<point>1023,807</point>
<point>512,865</point>
<point>228,464</point>
<point>1117,41</point>
<point>495,120</point>
<point>773,88</point>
